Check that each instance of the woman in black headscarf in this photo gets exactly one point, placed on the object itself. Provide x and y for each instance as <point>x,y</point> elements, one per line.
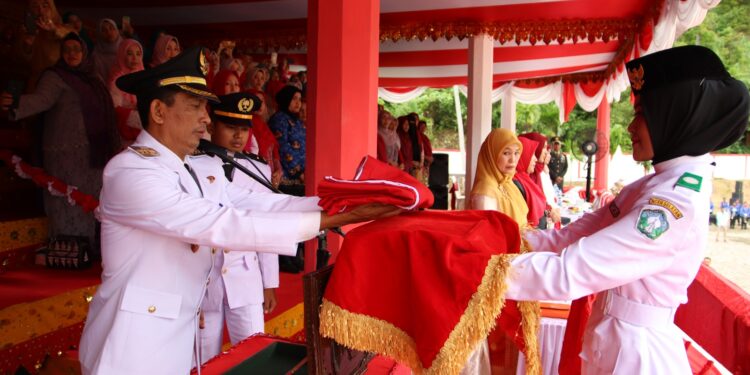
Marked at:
<point>644,249</point>
<point>80,134</point>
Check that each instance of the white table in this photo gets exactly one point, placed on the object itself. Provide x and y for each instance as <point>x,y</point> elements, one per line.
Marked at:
<point>551,334</point>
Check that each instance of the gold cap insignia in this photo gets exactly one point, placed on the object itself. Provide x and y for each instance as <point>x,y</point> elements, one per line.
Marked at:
<point>204,63</point>
<point>245,105</point>
<point>636,77</point>
<point>211,179</point>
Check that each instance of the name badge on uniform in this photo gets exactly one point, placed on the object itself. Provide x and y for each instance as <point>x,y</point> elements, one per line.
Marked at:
<point>668,205</point>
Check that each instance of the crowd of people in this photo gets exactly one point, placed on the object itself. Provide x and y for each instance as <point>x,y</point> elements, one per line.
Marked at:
<point>403,143</point>
<point>86,119</point>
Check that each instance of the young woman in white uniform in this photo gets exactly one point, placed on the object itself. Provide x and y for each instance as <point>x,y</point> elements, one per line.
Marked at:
<point>642,251</point>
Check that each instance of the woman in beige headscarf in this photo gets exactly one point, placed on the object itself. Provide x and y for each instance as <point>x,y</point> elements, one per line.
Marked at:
<point>493,187</point>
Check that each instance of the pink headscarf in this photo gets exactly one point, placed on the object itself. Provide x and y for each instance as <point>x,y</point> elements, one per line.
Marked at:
<point>534,195</point>
<point>120,69</point>
<point>541,145</point>
<point>160,50</point>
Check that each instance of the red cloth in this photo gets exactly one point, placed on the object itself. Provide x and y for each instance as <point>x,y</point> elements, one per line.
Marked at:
<point>382,153</point>
<point>127,133</point>
<point>534,194</point>
<point>717,317</point>
<point>374,182</point>
<point>580,310</point>
<point>418,271</point>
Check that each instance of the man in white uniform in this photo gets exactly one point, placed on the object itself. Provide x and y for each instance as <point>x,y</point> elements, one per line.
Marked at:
<point>159,222</point>
<point>243,283</point>
<point>642,251</point>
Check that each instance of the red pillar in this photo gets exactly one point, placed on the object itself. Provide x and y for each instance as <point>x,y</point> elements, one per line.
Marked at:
<point>601,168</point>
<point>342,49</point>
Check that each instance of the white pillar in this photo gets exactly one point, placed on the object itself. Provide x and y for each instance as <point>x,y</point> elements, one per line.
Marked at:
<point>480,101</point>
<point>508,114</point>
<point>459,120</point>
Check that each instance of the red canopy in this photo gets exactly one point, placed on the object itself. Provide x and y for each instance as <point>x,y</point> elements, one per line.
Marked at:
<point>424,42</point>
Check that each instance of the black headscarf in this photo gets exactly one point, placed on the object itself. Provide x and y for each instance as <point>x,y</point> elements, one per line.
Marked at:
<point>284,97</point>
<point>695,117</point>
<point>96,104</point>
<point>690,102</point>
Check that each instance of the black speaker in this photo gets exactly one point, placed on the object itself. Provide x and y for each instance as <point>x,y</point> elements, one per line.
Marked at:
<point>441,197</point>
<point>438,170</point>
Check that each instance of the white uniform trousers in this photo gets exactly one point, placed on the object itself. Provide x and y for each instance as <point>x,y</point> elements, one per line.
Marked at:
<point>242,322</point>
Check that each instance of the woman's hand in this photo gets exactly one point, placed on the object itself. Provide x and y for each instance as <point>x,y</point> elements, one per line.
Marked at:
<point>45,24</point>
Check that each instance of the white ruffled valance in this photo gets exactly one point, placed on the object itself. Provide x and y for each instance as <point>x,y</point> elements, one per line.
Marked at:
<point>395,97</point>
<point>676,17</point>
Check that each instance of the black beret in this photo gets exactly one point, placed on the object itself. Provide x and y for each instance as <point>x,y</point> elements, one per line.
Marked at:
<point>674,65</point>
<point>186,71</point>
<point>236,109</point>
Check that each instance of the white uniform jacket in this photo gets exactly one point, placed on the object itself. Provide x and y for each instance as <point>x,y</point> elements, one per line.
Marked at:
<point>143,318</point>
<point>642,251</point>
<point>246,273</point>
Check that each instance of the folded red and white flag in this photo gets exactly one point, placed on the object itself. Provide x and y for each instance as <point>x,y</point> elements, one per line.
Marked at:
<point>374,182</point>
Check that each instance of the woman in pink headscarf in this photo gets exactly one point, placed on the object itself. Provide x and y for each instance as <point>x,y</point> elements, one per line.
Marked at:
<point>166,47</point>
<point>129,60</point>
<point>531,192</point>
<point>540,176</point>
<point>541,150</point>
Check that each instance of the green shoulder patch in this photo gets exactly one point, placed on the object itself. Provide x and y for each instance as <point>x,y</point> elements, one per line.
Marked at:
<point>147,152</point>
<point>652,223</point>
<point>690,181</point>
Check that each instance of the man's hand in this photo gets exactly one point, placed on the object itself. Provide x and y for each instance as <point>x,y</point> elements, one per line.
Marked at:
<point>6,100</point>
<point>269,300</point>
<point>365,212</point>
<point>276,178</point>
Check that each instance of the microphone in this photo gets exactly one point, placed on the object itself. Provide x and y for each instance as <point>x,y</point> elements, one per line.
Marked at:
<point>213,149</point>
<point>228,157</point>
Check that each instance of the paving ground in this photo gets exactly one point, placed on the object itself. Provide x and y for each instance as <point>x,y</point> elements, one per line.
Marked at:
<point>731,258</point>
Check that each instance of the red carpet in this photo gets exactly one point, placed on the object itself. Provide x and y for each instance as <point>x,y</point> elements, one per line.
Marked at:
<point>289,293</point>
<point>32,283</point>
